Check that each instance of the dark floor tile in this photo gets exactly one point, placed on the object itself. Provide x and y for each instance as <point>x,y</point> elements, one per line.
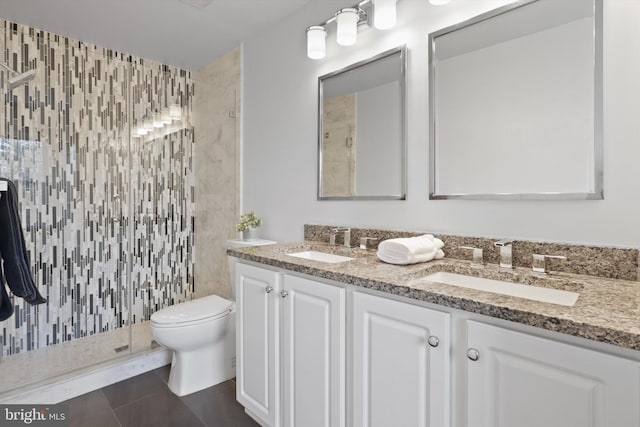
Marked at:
<point>133,389</point>
<point>163,372</point>
<point>161,409</point>
<point>217,406</point>
<point>91,409</point>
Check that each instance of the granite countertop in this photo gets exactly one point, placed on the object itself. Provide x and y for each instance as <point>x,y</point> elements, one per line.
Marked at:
<point>607,310</point>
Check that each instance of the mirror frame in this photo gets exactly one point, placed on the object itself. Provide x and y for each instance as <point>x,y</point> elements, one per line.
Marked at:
<point>598,191</point>
<point>402,51</point>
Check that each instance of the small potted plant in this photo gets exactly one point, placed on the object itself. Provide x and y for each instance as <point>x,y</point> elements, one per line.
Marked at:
<point>249,223</point>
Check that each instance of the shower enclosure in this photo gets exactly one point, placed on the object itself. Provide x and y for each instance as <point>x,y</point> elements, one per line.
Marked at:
<point>100,147</point>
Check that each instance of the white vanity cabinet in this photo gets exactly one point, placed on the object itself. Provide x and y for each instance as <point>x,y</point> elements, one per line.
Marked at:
<point>401,370</point>
<point>302,344</point>
<point>290,343</point>
<point>258,342</point>
<point>313,353</point>
<point>516,379</point>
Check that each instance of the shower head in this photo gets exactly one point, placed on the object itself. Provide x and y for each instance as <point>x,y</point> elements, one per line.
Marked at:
<point>18,79</point>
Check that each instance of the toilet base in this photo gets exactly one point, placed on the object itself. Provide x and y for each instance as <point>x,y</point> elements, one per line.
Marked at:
<point>184,379</point>
<point>192,371</point>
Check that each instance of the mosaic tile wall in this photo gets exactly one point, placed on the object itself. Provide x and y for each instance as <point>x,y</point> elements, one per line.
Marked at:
<point>108,218</point>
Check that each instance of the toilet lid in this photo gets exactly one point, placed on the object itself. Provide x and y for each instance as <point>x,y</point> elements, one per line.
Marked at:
<point>197,309</point>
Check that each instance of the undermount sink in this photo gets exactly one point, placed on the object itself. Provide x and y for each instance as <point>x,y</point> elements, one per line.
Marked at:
<point>321,256</point>
<point>536,293</point>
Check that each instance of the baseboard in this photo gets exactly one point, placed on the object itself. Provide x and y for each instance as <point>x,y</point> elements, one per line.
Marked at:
<point>89,379</point>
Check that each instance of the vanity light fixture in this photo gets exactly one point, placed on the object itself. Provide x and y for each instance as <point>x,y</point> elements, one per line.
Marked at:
<point>384,16</point>
<point>347,31</point>
<point>349,20</point>
<point>316,42</point>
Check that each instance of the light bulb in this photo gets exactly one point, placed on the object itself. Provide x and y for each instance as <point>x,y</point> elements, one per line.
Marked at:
<point>347,33</point>
<point>384,14</point>
<point>316,42</point>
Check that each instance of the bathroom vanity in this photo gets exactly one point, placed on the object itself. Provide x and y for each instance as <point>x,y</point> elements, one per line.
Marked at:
<point>360,342</point>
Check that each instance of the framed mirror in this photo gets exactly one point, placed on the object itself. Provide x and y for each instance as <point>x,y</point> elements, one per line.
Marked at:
<point>361,130</point>
<point>516,103</point>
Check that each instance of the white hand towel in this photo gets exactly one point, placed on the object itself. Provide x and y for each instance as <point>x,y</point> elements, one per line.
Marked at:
<point>411,250</point>
<point>408,246</point>
<point>391,258</point>
<point>439,244</point>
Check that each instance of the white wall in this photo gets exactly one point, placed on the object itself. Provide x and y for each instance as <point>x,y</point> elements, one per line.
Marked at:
<point>280,125</point>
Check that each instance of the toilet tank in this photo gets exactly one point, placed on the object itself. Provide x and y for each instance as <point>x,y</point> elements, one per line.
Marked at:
<point>231,244</point>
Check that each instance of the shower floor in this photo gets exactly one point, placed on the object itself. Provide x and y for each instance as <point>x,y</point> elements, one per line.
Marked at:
<point>33,367</point>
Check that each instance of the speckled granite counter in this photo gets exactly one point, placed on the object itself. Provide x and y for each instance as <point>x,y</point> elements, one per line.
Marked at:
<point>607,310</point>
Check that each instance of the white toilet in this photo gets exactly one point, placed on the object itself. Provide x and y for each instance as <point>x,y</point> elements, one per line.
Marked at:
<point>202,335</point>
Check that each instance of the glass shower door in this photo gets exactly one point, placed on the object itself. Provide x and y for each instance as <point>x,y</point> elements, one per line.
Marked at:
<point>106,200</point>
<point>64,142</point>
<point>162,193</point>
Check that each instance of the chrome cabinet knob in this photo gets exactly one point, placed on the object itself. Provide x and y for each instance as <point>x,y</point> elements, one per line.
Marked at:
<point>269,289</point>
<point>433,341</point>
<point>473,354</point>
<point>284,294</point>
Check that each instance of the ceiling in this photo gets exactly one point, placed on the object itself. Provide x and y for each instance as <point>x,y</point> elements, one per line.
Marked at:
<point>170,31</point>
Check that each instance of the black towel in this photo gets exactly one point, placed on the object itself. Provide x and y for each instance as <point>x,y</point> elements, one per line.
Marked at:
<point>14,252</point>
<point>6,307</point>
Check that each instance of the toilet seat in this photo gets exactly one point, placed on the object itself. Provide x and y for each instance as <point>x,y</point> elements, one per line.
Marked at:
<point>192,312</point>
<point>183,325</point>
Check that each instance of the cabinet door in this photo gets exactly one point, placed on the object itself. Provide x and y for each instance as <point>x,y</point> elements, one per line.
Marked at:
<point>313,359</point>
<point>257,341</point>
<point>400,364</point>
<point>523,380</point>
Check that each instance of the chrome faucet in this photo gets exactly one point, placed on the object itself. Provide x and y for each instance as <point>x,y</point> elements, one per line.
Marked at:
<point>478,258</point>
<point>539,266</point>
<point>347,235</point>
<point>506,258</point>
<point>364,242</point>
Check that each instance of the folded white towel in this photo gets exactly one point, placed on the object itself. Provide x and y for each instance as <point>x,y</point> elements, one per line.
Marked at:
<point>408,246</point>
<point>439,244</point>
<point>404,260</point>
<point>410,250</point>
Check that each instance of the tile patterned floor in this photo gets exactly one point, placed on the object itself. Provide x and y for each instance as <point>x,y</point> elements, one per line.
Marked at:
<point>146,401</point>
